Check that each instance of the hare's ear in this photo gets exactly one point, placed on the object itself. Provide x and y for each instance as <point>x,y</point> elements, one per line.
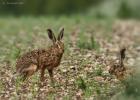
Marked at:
<point>122,53</point>
<point>60,36</point>
<point>51,35</point>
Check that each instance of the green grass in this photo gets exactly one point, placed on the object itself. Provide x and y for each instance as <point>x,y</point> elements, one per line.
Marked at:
<point>85,42</point>
<point>81,83</point>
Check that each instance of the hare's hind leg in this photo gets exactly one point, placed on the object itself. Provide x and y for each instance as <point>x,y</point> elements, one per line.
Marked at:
<point>29,71</point>
<point>51,75</point>
<point>25,76</point>
<point>32,68</point>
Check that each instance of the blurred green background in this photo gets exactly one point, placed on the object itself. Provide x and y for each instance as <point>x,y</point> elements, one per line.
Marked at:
<point>97,8</point>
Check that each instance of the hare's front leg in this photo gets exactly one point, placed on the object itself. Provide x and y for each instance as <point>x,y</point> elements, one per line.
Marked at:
<point>51,75</point>
<point>42,74</point>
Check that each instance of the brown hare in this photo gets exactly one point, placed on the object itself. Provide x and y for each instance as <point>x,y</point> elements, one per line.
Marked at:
<point>118,69</point>
<point>41,59</point>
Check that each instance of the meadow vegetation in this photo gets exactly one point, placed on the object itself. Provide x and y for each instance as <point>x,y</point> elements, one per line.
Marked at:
<point>91,44</point>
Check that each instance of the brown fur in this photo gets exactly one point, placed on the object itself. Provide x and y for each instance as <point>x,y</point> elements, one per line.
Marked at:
<point>118,69</point>
<point>41,59</point>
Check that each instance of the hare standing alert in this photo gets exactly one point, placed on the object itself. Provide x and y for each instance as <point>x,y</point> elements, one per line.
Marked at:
<point>41,59</point>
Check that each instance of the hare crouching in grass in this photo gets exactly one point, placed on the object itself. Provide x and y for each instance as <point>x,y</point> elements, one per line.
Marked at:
<point>118,69</point>
<point>41,59</point>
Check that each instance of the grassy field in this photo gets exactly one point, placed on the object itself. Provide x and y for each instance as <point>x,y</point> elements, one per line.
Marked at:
<point>90,46</point>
